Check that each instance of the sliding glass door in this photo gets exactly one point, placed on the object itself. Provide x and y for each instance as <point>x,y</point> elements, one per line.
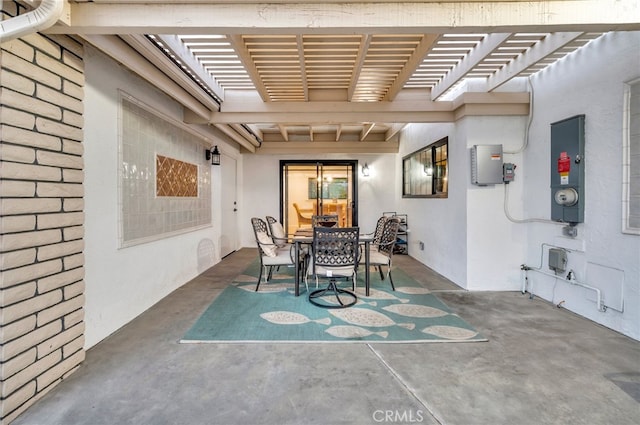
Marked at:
<point>318,187</point>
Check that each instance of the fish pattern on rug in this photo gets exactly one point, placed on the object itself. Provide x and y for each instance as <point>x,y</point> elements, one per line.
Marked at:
<point>410,314</point>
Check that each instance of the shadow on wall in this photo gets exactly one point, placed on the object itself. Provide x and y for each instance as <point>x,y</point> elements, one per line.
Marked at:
<point>206,254</point>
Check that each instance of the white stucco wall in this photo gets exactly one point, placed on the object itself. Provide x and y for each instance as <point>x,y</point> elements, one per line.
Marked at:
<point>495,245</point>
<point>440,223</point>
<point>589,82</point>
<point>123,283</point>
<point>468,237</point>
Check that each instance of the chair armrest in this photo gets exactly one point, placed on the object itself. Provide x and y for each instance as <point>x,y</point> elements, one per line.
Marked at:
<point>385,244</point>
<point>283,240</point>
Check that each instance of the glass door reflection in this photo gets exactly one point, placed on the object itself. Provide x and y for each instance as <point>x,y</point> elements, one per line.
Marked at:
<point>318,188</point>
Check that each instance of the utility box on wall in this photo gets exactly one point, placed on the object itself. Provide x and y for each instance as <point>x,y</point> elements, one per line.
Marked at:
<point>567,170</point>
<point>486,164</point>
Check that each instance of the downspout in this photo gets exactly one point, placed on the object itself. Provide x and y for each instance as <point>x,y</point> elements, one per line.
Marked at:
<point>43,17</point>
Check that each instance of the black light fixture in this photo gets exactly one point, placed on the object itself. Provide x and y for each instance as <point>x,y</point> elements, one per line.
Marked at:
<point>365,170</point>
<point>213,155</point>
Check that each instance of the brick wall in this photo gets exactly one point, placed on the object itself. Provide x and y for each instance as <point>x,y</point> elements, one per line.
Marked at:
<point>41,216</point>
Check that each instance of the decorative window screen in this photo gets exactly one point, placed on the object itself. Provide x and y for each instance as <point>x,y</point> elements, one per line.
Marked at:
<point>176,178</point>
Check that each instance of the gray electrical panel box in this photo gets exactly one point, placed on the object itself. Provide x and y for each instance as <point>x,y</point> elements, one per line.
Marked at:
<point>558,260</point>
<point>567,170</point>
<point>486,164</point>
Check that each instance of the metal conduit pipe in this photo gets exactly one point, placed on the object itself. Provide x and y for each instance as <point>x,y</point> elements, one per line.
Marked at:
<point>599,304</point>
<point>43,17</point>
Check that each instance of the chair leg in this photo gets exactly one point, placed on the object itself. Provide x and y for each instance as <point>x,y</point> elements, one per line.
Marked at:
<point>333,288</point>
<point>259,277</point>
<point>306,280</point>
<point>270,274</point>
<point>305,265</point>
<point>381,274</point>
<point>391,279</point>
<point>389,273</point>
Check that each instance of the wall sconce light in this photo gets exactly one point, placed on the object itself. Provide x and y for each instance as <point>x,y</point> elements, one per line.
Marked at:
<point>428,170</point>
<point>213,155</point>
<point>365,170</point>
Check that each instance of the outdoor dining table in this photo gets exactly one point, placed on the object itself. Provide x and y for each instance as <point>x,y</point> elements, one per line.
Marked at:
<point>305,236</point>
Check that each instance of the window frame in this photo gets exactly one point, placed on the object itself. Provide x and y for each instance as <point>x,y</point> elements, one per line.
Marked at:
<point>415,178</point>
<point>630,159</point>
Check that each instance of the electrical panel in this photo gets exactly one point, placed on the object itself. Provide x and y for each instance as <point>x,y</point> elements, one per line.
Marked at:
<point>486,164</point>
<point>558,260</point>
<point>567,170</point>
<point>508,172</point>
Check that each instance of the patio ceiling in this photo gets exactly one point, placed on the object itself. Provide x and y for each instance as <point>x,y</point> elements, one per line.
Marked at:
<point>285,77</point>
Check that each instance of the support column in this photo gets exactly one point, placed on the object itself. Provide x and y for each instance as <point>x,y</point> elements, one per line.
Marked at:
<point>41,216</point>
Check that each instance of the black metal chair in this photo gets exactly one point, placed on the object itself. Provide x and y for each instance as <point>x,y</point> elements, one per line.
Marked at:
<point>334,254</point>
<point>270,254</point>
<point>382,252</point>
<point>377,233</point>
<point>276,231</point>
<point>283,240</point>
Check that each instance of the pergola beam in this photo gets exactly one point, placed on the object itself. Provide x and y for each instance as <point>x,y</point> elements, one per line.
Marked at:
<point>395,129</point>
<point>426,44</point>
<point>284,132</point>
<point>231,133</point>
<point>546,47</point>
<point>226,17</point>
<point>238,45</point>
<point>177,47</point>
<point>359,62</point>
<point>366,130</point>
<point>319,113</point>
<point>303,67</point>
<point>490,43</point>
<point>283,148</point>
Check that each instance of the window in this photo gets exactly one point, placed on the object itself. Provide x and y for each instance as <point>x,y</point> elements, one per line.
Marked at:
<point>424,172</point>
<point>631,160</point>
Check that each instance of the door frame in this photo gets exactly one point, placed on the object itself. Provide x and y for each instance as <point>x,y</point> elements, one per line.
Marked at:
<point>226,187</point>
<point>353,163</point>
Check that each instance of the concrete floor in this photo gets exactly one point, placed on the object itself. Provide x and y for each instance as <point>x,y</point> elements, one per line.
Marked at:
<point>542,365</point>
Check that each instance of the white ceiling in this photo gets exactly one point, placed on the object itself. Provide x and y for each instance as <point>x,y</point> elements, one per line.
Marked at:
<point>344,75</point>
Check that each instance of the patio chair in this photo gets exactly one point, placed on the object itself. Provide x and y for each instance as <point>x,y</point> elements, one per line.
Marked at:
<point>283,240</point>
<point>382,252</point>
<point>270,254</point>
<point>276,230</point>
<point>377,233</point>
<point>334,254</point>
<point>302,219</point>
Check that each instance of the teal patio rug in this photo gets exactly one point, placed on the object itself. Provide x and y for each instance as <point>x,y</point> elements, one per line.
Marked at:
<point>274,314</point>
